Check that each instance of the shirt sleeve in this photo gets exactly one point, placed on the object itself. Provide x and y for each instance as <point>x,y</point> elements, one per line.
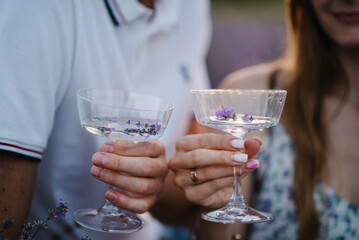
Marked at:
<point>36,39</point>
<point>203,39</point>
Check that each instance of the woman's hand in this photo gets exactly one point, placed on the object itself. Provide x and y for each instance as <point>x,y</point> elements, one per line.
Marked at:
<point>203,166</point>
<point>138,170</point>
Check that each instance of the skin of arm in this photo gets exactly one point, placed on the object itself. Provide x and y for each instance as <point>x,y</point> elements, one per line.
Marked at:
<point>17,181</point>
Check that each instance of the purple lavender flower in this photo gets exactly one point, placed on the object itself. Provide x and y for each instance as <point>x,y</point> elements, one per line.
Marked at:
<point>26,231</point>
<point>139,124</point>
<point>158,127</point>
<point>144,128</point>
<point>60,211</point>
<point>7,222</point>
<point>226,113</point>
<point>40,224</point>
<point>248,118</point>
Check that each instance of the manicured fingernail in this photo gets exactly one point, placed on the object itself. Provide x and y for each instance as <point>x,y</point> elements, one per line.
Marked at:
<point>240,157</point>
<point>252,164</point>
<point>237,143</point>
<point>96,171</point>
<point>106,148</point>
<point>111,196</point>
<point>259,140</point>
<point>99,159</point>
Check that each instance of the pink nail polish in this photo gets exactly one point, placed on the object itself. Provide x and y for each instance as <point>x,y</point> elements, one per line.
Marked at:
<point>252,164</point>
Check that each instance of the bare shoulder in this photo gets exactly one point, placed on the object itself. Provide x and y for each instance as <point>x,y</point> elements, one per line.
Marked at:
<point>256,76</point>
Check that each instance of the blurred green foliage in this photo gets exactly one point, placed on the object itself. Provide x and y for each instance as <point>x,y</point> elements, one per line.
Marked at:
<point>260,9</point>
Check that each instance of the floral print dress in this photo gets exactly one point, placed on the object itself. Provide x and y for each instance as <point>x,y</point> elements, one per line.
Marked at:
<point>339,219</point>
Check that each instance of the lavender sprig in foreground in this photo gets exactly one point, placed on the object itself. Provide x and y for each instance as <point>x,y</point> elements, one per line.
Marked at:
<point>38,225</point>
<point>6,223</point>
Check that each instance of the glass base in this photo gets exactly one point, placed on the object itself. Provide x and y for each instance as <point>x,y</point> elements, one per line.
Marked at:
<point>120,221</point>
<point>237,215</point>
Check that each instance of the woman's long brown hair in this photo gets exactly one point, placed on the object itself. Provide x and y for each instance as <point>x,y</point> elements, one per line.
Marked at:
<point>315,71</point>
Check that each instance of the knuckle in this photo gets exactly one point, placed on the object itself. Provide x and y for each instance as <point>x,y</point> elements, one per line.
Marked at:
<point>180,144</point>
<point>122,202</point>
<point>159,145</point>
<point>217,183</point>
<point>189,195</point>
<point>177,181</point>
<point>172,165</point>
<point>224,156</point>
<point>144,187</point>
<point>149,148</point>
<point>113,179</point>
<point>143,207</point>
<point>148,167</point>
<point>163,169</point>
<point>120,147</point>
<point>192,195</point>
<point>202,140</point>
<point>196,157</point>
<point>118,163</point>
<point>209,202</point>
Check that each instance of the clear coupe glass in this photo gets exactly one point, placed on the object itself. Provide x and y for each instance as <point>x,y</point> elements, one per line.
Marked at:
<point>126,116</point>
<point>237,112</point>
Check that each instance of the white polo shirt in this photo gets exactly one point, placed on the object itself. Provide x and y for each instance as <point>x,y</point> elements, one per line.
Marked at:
<point>51,48</point>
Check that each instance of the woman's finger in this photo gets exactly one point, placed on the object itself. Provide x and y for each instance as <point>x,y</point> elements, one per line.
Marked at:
<point>252,146</point>
<point>204,174</point>
<point>206,157</point>
<point>209,141</point>
<point>201,193</point>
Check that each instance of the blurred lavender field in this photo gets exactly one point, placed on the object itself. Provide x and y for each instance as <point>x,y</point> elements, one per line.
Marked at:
<point>245,32</point>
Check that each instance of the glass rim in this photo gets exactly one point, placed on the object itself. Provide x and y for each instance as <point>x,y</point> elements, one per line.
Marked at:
<point>227,91</point>
<point>78,94</point>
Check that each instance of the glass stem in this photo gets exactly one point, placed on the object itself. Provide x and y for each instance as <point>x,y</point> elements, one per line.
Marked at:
<point>108,207</point>
<point>237,202</point>
<point>237,199</point>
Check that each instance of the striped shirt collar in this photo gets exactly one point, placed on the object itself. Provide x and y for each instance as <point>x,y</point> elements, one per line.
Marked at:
<point>124,12</point>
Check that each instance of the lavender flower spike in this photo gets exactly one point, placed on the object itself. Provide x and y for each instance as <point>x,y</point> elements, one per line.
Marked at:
<point>247,117</point>
<point>157,127</point>
<point>60,211</point>
<point>6,223</point>
<point>226,113</point>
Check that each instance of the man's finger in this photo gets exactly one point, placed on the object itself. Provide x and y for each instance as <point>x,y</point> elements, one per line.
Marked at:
<point>124,148</point>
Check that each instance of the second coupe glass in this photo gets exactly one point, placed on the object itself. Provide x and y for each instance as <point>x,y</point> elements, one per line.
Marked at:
<point>237,112</point>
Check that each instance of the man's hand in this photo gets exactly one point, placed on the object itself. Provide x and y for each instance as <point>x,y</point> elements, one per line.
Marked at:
<point>138,170</point>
